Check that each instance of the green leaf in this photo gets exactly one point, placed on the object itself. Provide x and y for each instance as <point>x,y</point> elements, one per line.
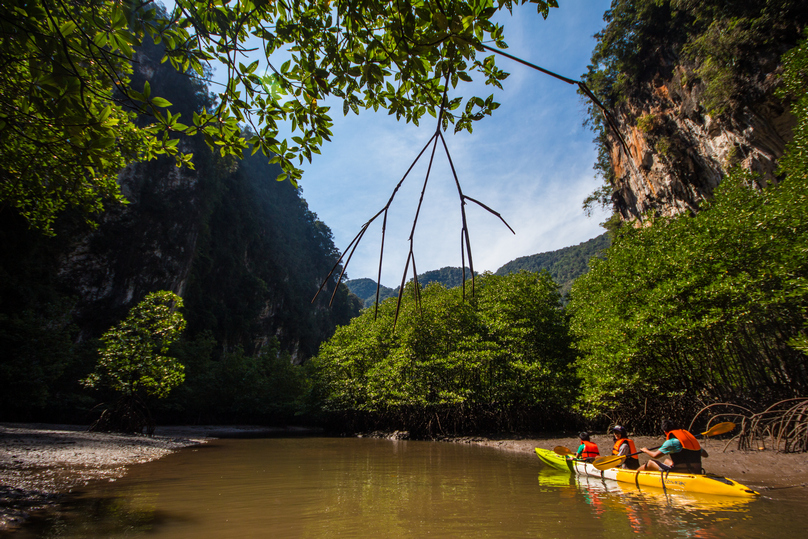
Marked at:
<point>160,102</point>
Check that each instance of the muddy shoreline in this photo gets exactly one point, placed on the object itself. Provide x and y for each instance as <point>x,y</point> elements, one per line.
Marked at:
<point>39,464</point>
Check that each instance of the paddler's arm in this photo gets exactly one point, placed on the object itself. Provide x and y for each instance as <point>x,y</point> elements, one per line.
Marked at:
<point>704,453</point>
<point>653,454</point>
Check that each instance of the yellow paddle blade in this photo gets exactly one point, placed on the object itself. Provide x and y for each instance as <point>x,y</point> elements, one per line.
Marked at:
<point>561,450</point>
<point>719,428</point>
<point>604,463</point>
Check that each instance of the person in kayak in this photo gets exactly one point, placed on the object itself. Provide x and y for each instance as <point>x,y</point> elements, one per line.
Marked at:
<point>683,451</point>
<point>587,450</point>
<point>624,447</point>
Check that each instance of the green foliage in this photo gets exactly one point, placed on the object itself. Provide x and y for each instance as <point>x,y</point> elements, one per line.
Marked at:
<point>724,37</point>
<point>68,93</point>
<point>448,276</point>
<point>134,354</point>
<point>699,307</point>
<point>564,265</point>
<point>64,132</point>
<point>662,145</point>
<point>235,387</point>
<point>794,83</point>
<point>504,351</point>
<point>599,198</point>
<point>634,27</point>
<point>732,37</point>
<point>647,123</point>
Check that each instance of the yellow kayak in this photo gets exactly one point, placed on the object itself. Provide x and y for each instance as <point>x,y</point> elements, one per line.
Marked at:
<point>682,482</point>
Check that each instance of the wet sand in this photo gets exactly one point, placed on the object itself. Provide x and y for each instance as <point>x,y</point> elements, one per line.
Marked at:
<point>41,463</point>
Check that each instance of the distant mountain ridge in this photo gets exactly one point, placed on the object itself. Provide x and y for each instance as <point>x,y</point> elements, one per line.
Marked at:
<point>366,290</point>
<point>565,265</point>
<point>448,276</point>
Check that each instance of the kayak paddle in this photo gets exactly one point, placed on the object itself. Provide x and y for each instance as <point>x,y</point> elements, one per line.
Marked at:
<point>719,428</point>
<point>563,451</point>
<point>604,463</point>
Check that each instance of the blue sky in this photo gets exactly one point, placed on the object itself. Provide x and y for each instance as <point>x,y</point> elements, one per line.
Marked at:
<point>531,161</point>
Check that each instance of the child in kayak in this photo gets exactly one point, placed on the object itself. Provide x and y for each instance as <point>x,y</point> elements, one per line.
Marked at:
<point>624,447</point>
<point>587,450</point>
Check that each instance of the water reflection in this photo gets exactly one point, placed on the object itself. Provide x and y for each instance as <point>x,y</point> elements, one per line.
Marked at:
<point>320,487</point>
<point>646,510</point>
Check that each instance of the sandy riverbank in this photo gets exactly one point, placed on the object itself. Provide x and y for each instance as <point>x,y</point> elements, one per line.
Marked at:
<point>40,463</point>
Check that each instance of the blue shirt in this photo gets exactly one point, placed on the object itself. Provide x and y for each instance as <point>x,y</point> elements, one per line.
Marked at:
<point>671,446</point>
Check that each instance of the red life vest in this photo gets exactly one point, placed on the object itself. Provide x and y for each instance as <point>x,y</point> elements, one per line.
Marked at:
<point>689,458</point>
<point>590,450</point>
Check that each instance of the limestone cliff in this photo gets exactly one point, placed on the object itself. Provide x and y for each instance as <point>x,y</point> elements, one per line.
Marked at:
<point>691,87</point>
<point>678,152</point>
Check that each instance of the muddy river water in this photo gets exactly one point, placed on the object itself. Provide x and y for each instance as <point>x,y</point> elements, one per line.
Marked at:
<point>354,487</point>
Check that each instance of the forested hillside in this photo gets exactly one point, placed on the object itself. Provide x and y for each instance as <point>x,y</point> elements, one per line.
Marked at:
<point>365,289</point>
<point>565,265</point>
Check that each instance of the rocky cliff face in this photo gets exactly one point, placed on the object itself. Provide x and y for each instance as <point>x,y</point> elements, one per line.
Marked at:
<point>146,245</point>
<point>692,88</point>
<point>241,249</point>
<point>678,153</point>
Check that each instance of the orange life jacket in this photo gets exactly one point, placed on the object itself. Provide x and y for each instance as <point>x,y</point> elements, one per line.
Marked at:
<point>590,450</point>
<point>631,447</point>
<point>687,440</point>
<point>632,461</point>
<point>689,457</point>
